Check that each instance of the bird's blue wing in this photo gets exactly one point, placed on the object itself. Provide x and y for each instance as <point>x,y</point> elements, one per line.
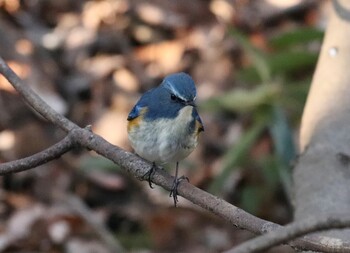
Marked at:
<point>135,112</point>
<point>140,105</point>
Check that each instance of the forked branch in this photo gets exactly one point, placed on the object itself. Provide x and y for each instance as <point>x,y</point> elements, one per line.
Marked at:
<point>136,166</point>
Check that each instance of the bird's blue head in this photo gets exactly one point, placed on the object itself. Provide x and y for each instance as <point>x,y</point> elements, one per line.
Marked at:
<point>181,87</point>
<point>175,92</point>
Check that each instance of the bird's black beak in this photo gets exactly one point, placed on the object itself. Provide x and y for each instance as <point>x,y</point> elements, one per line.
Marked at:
<point>191,103</point>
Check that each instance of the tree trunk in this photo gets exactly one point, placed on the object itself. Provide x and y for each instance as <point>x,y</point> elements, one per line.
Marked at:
<point>322,174</point>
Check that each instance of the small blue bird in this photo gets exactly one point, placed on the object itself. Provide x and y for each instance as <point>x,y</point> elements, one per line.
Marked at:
<point>164,124</point>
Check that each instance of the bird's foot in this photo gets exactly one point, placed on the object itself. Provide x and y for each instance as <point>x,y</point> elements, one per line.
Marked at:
<point>173,191</point>
<point>149,174</point>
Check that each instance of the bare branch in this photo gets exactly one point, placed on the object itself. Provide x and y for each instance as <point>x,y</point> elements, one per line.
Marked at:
<point>34,100</point>
<point>294,230</point>
<point>30,162</point>
<point>236,216</point>
<point>138,167</point>
<point>134,164</point>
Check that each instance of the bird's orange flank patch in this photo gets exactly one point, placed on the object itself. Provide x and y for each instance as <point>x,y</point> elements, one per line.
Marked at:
<point>136,121</point>
<point>199,127</point>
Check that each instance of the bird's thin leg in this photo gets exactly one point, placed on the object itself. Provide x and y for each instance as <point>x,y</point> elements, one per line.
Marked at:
<point>149,174</point>
<point>177,180</point>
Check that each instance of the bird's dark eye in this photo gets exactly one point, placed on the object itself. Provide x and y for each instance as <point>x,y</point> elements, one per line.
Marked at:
<point>173,97</point>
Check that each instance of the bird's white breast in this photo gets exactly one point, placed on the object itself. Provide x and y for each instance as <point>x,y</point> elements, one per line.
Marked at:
<point>165,140</point>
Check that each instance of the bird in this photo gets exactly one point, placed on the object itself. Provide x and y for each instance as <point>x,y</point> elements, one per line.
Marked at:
<point>164,125</point>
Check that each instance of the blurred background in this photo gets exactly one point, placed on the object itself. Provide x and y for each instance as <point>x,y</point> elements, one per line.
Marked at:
<point>252,62</point>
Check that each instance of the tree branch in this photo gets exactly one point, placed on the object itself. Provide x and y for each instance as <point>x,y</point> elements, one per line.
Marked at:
<point>321,178</point>
<point>138,167</point>
<point>294,230</point>
<point>30,162</point>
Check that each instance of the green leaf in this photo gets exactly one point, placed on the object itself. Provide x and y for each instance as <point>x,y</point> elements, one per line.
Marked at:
<point>258,57</point>
<point>282,137</point>
<point>293,98</point>
<point>282,64</point>
<point>135,241</point>
<point>288,62</point>
<point>251,198</point>
<point>243,100</point>
<point>89,163</point>
<point>300,36</point>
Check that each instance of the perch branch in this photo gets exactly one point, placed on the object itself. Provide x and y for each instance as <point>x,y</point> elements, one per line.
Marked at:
<point>138,167</point>
<point>295,230</point>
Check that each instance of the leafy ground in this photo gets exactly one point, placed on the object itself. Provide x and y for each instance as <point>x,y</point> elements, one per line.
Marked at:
<point>91,60</point>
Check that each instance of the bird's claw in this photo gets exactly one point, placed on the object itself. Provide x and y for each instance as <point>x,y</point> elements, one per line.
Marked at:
<point>173,191</point>
<point>149,174</point>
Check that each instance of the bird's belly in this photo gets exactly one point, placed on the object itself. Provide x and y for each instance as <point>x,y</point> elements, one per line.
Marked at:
<point>162,141</point>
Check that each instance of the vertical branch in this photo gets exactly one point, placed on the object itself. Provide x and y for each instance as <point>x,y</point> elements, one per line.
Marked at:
<point>322,175</point>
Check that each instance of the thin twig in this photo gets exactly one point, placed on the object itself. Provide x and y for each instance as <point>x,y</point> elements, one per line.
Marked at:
<point>294,230</point>
<point>30,162</point>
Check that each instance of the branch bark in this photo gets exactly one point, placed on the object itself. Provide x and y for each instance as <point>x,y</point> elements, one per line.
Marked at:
<point>322,173</point>
<point>138,167</point>
<point>134,164</point>
<point>292,231</point>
